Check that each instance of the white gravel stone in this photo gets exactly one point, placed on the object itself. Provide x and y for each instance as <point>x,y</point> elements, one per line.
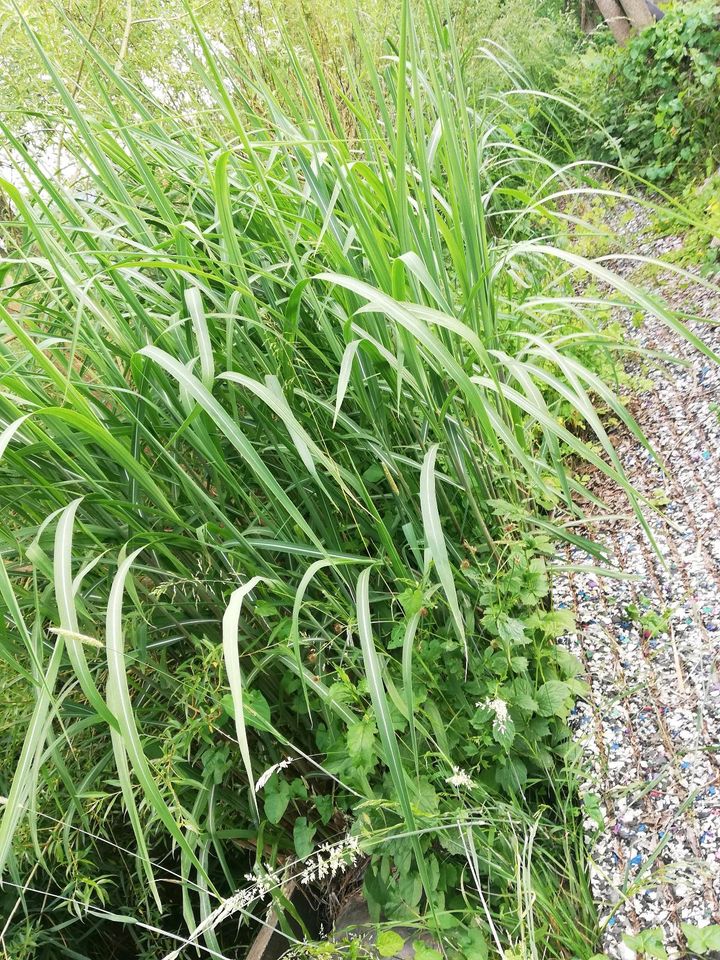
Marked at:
<point>650,728</point>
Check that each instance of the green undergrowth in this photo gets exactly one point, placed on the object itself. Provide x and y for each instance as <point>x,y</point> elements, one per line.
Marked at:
<point>286,403</point>
<point>700,245</point>
<point>654,101</point>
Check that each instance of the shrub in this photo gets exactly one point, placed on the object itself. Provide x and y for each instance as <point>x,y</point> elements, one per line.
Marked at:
<point>536,34</point>
<point>658,98</point>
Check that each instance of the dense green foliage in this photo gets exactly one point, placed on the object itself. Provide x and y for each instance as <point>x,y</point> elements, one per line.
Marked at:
<point>152,45</point>
<point>284,405</point>
<point>656,100</point>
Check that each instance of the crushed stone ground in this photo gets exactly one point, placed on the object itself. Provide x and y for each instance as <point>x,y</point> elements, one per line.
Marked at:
<point>650,727</point>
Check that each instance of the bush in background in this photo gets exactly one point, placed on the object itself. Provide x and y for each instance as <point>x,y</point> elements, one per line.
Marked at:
<point>536,34</point>
<point>657,100</point>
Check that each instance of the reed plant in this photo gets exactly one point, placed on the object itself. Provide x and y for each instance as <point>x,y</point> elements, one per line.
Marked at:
<point>283,479</point>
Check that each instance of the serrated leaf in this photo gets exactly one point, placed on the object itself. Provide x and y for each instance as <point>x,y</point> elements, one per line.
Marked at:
<point>361,743</point>
<point>568,664</point>
<point>525,702</point>
<point>558,622</point>
<point>702,940</point>
<point>511,630</point>
<point>553,699</point>
<point>519,664</point>
<point>504,732</point>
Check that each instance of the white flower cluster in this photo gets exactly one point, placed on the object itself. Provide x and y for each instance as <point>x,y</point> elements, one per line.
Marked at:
<point>459,778</point>
<point>330,860</point>
<point>499,708</point>
<point>238,902</point>
<point>263,881</point>
<point>264,777</point>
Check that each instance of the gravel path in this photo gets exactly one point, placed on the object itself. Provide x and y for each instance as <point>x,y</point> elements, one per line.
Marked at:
<point>650,728</point>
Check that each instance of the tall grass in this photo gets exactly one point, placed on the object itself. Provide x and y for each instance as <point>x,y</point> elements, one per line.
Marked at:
<point>282,470</point>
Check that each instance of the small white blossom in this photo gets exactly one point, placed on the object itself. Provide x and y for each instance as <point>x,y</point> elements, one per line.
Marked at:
<point>459,778</point>
<point>264,777</point>
<point>330,860</point>
<point>499,708</point>
<point>239,901</point>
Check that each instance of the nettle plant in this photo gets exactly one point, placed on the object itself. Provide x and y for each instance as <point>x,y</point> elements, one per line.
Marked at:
<point>281,438</point>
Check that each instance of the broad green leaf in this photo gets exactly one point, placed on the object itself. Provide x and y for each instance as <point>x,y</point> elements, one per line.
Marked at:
<point>648,942</point>
<point>276,800</point>
<point>389,943</point>
<point>362,744</point>
<point>702,940</point>
<point>553,699</point>
<point>303,834</point>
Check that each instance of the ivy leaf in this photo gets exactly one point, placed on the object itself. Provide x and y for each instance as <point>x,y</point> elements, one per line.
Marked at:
<point>553,699</point>
<point>412,601</point>
<point>303,835</point>
<point>325,805</point>
<point>277,798</point>
<point>389,943</point>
